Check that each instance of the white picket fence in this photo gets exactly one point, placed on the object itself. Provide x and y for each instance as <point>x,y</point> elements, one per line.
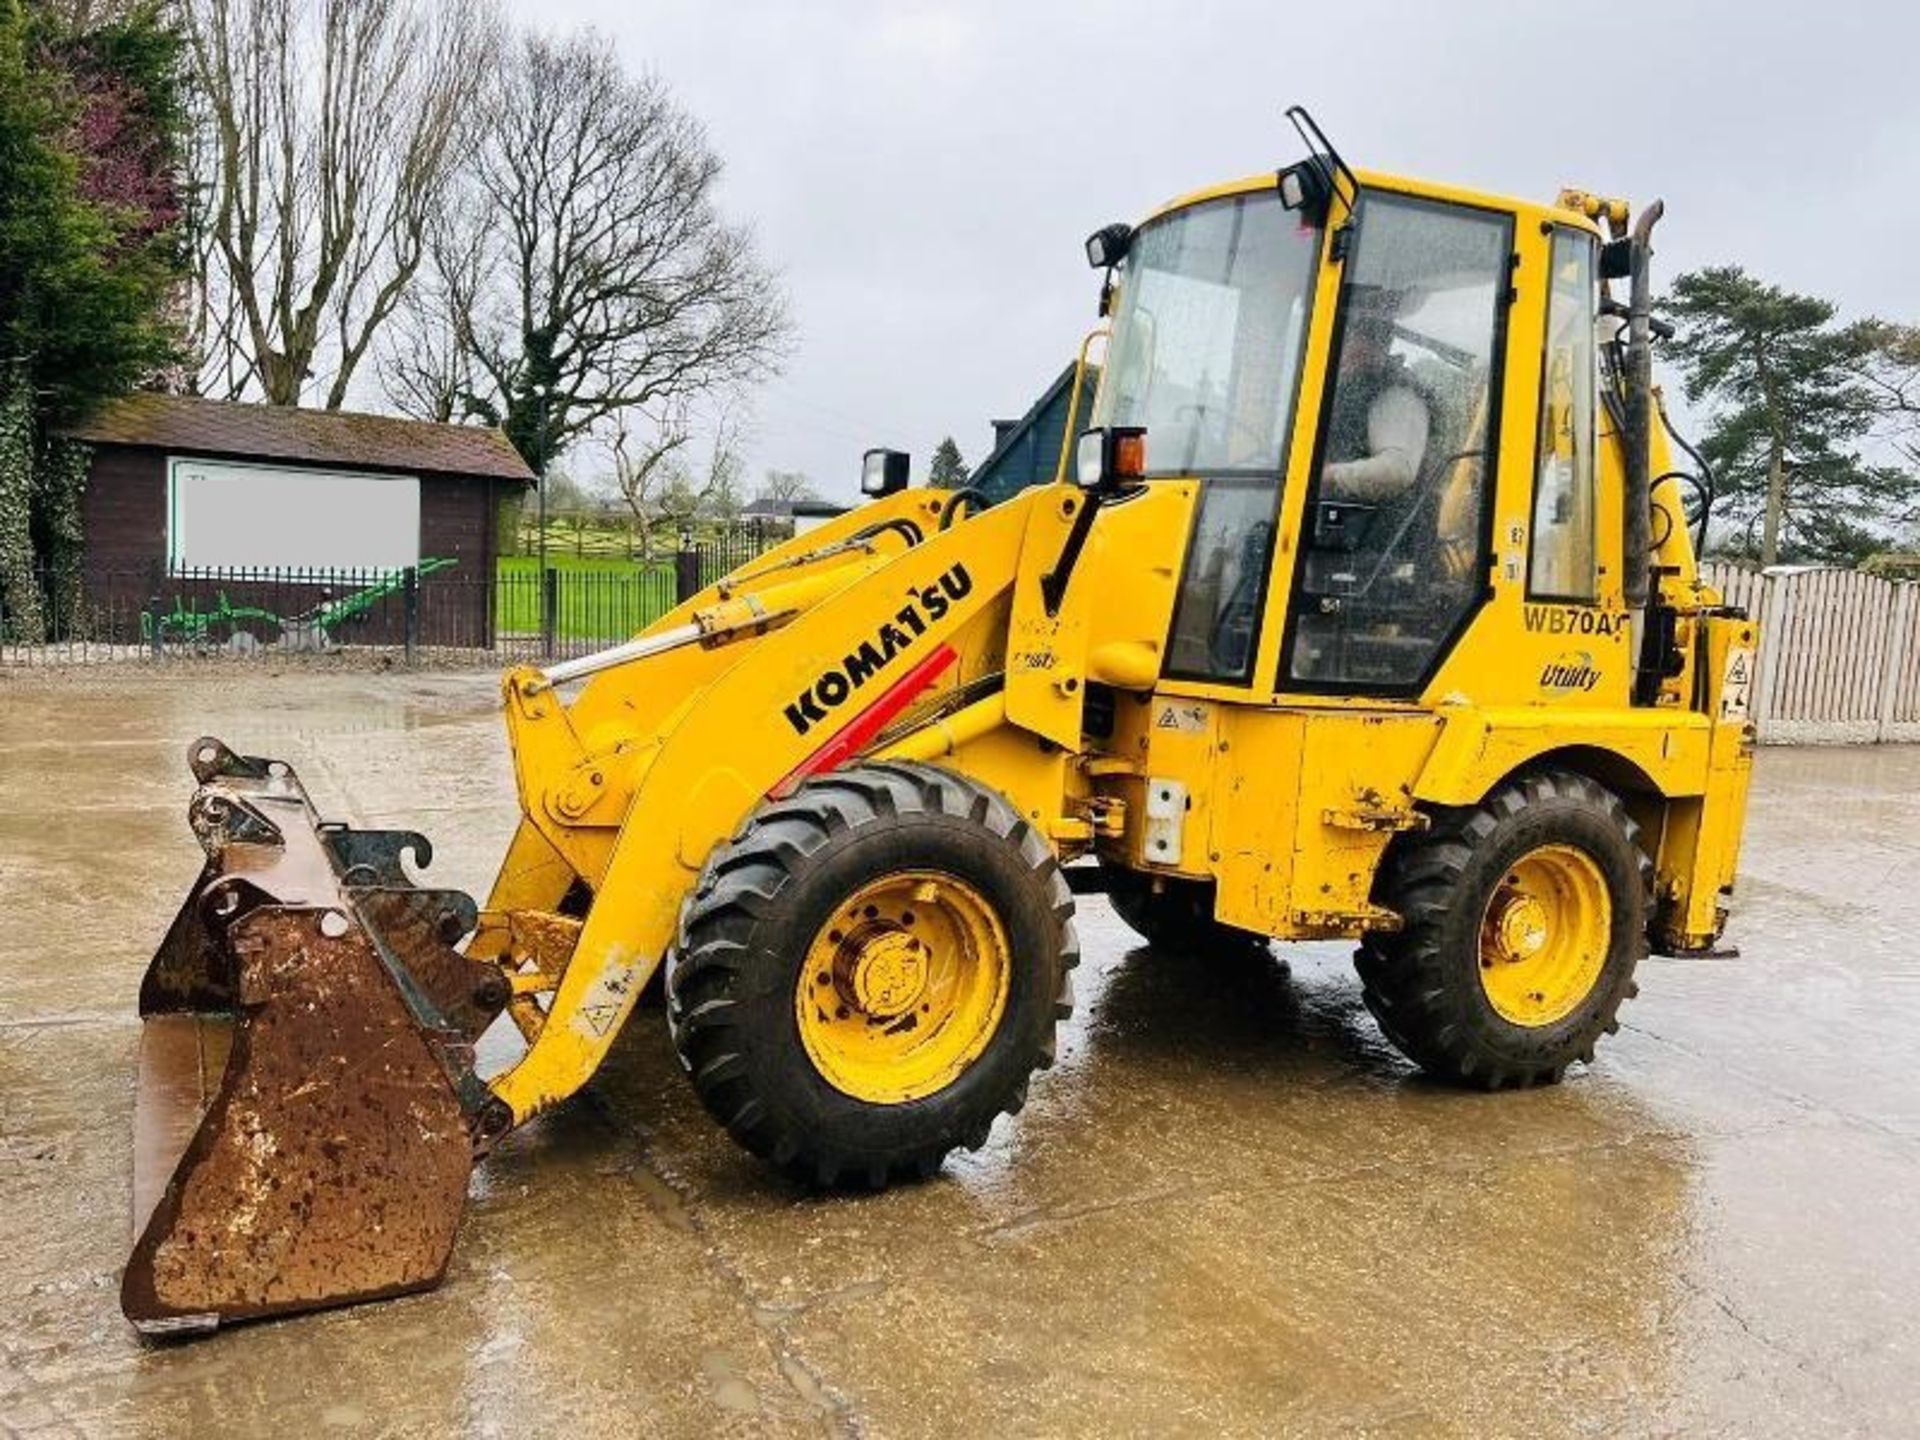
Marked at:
<point>1839,654</point>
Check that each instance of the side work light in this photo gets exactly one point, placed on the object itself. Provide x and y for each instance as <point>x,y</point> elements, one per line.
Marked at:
<point>1108,245</point>
<point>1307,189</point>
<point>1111,457</point>
<point>882,472</point>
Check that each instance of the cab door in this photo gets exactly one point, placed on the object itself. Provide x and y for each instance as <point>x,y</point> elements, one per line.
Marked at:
<point>1209,351</point>
<point>1393,563</point>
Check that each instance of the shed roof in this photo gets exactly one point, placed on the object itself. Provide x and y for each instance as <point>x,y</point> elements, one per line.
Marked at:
<point>312,437</point>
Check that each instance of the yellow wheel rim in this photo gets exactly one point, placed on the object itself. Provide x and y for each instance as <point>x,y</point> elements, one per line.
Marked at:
<point>1545,935</point>
<point>903,987</point>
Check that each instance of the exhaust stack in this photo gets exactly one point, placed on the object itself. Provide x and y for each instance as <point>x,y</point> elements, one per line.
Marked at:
<point>1638,531</point>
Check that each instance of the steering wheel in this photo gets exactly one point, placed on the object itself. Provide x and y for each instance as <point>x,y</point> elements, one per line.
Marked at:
<point>1426,498</point>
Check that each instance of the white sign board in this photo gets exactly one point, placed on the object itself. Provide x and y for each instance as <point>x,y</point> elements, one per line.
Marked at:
<point>226,515</point>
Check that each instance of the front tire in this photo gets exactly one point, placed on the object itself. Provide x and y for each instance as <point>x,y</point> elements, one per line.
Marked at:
<point>1523,919</point>
<point>869,972</point>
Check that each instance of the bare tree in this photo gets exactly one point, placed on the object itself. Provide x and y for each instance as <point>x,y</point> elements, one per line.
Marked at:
<point>215,331</point>
<point>426,368</point>
<point>786,485</point>
<point>607,280</point>
<point>330,133</point>
<point>643,470</point>
<point>722,496</point>
<point>1889,366</point>
<point>713,488</point>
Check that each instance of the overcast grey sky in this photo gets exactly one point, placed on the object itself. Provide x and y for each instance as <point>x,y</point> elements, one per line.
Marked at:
<point>924,173</point>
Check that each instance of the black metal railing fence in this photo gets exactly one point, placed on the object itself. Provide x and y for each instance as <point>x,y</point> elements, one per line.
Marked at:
<point>436,609</point>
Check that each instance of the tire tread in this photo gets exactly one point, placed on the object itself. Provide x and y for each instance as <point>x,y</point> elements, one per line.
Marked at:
<point>714,967</point>
<point>1408,981</point>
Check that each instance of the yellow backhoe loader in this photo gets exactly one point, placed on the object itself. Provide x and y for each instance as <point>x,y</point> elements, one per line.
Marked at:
<point>1364,606</point>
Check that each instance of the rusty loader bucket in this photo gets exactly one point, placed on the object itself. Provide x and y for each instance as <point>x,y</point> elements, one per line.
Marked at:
<point>307,1112</point>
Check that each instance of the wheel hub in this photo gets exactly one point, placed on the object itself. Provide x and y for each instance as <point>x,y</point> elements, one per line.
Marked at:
<point>1545,935</point>
<point>885,975</point>
<point>1521,932</point>
<point>903,986</point>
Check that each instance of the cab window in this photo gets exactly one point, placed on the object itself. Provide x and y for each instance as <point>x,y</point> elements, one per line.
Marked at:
<point>1222,591</point>
<point>1562,565</point>
<point>1392,563</point>
<point>1207,339</point>
<point>1207,335</point>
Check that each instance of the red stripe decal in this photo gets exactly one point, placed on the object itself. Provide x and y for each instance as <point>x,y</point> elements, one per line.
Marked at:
<point>853,736</point>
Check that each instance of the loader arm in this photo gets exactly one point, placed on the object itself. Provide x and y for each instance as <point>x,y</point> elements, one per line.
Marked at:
<point>1007,600</point>
<point>877,641</point>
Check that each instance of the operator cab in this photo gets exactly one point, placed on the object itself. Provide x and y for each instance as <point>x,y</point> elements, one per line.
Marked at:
<point>1329,360</point>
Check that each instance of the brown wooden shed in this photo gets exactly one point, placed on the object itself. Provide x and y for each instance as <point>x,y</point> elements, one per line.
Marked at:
<point>286,508</point>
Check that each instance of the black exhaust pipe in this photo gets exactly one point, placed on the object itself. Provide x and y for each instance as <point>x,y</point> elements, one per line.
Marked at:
<point>1639,418</point>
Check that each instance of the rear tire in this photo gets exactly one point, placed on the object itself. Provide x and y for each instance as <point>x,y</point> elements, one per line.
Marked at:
<point>799,1019</point>
<point>1523,920</point>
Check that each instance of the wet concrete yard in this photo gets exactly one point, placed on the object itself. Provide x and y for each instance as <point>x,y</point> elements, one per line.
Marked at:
<point>1230,1209</point>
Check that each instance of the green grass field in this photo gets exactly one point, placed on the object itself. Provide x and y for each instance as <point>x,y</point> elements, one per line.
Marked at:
<point>599,599</point>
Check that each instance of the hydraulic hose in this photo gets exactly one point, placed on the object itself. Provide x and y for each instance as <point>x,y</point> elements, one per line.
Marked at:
<point>1709,486</point>
<point>972,498</point>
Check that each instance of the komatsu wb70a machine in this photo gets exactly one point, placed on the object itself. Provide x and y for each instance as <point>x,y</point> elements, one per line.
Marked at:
<point>1365,606</point>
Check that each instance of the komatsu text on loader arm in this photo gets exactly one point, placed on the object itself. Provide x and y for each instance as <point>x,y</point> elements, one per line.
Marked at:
<point>1364,606</point>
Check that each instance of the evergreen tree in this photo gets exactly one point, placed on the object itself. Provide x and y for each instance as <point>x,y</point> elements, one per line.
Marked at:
<point>948,471</point>
<point>1790,411</point>
<point>90,259</point>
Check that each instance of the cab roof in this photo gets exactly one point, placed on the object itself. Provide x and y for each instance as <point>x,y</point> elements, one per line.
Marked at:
<point>1400,184</point>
